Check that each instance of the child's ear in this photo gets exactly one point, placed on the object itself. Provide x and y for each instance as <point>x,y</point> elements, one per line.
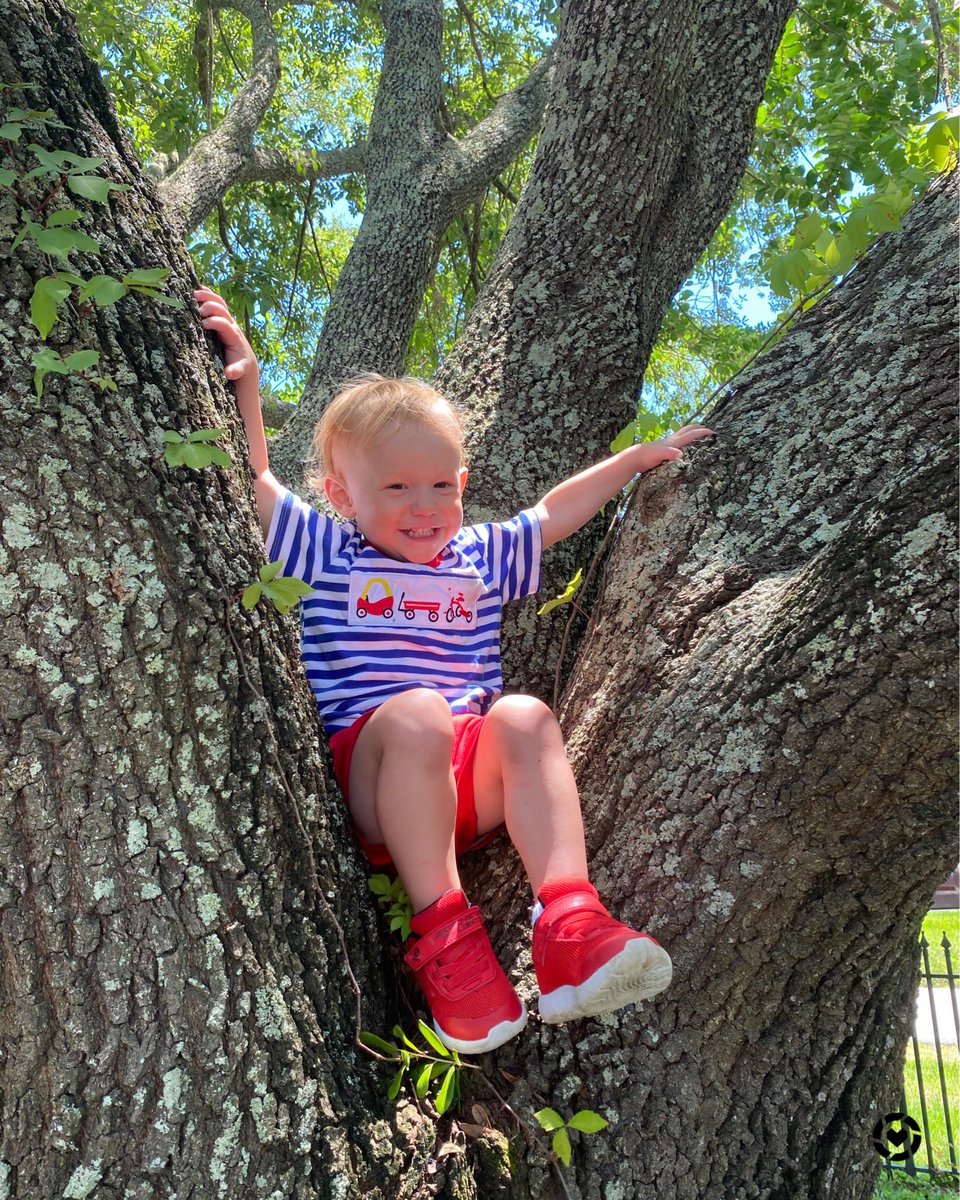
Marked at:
<point>335,491</point>
<point>463,479</point>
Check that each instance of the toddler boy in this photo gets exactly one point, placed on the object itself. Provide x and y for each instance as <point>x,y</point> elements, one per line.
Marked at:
<point>401,648</point>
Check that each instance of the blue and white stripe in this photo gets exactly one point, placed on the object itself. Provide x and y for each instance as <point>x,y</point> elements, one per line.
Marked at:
<point>354,666</point>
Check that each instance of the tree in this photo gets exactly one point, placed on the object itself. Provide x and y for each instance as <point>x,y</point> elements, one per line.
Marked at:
<point>182,902</point>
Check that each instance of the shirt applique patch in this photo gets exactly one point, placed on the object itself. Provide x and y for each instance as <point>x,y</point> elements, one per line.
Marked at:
<point>388,600</point>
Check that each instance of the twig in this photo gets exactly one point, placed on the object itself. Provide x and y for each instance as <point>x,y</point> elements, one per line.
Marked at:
<point>296,265</point>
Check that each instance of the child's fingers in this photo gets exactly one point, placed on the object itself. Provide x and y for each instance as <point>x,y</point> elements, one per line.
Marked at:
<point>221,325</point>
<point>204,293</point>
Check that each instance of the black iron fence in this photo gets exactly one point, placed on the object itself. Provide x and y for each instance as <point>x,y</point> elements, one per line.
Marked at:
<point>921,1140</point>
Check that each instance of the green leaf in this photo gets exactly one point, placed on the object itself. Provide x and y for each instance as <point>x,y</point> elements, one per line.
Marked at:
<point>11,131</point>
<point>63,216</point>
<point>561,1146</point>
<point>69,277</point>
<point>448,1090</point>
<point>169,301</point>
<point>270,571</point>
<point>81,359</point>
<point>379,885</point>
<point>567,595</point>
<point>147,275</point>
<point>587,1121</point>
<point>371,1039</point>
<point>807,231</point>
<point>30,229</point>
<point>207,435</point>
<point>46,361</point>
<point>171,435</point>
<point>49,360</point>
<point>106,383</point>
<point>624,439</point>
<point>93,187</point>
<point>62,242</point>
<point>398,1033</point>
<point>103,290</point>
<point>47,296</point>
<point>549,1119</point>
<point>7,177</point>
<point>199,457</point>
<point>394,1088</point>
<point>423,1081</point>
<point>432,1040</point>
<point>251,594</point>
<point>284,592</point>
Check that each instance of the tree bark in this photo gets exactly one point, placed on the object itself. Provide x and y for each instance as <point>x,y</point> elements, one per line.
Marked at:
<point>762,723</point>
<point>184,930</point>
<point>418,180</point>
<point>759,724</point>
<point>649,126</point>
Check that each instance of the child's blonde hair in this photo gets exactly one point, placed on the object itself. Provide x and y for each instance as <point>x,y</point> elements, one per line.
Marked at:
<point>364,410</point>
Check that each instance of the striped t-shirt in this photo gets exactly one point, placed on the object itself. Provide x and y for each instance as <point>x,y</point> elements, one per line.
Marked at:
<point>376,626</point>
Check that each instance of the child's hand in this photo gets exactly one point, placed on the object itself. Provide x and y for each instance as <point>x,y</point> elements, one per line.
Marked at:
<point>651,454</point>
<point>239,359</point>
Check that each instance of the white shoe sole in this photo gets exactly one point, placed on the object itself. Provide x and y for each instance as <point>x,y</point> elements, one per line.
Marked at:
<point>642,969</point>
<point>499,1034</point>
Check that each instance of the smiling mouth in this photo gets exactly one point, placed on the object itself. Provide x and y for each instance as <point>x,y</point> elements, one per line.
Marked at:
<point>421,533</point>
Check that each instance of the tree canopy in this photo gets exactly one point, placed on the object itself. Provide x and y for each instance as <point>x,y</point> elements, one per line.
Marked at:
<point>857,117</point>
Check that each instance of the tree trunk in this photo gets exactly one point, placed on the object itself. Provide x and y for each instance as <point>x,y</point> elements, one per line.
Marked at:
<point>762,725</point>
<point>647,134</point>
<point>758,725</point>
<point>177,1014</point>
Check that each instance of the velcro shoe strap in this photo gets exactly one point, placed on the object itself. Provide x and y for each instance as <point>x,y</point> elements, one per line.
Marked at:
<point>448,934</point>
<point>571,902</point>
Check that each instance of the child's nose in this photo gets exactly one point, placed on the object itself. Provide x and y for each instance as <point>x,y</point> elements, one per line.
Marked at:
<point>424,502</point>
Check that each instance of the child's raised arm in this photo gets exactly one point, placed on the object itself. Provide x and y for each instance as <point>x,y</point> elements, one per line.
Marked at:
<point>240,368</point>
<point>572,503</point>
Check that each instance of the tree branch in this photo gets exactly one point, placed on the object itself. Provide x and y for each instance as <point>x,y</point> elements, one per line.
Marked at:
<point>215,162</point>
<point>469,164</point>
<point>267,164</point>
<point>403,122</point>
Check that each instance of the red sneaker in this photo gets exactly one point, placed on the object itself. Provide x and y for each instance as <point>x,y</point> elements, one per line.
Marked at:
<point>473,1004</point>
<point>587,963</point>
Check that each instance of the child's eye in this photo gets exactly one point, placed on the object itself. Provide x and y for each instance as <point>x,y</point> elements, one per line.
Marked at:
<point>444,484</point>
<point>395,487</point>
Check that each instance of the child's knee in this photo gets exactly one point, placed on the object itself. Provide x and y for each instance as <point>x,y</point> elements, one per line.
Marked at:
<point>518,720</point>
<point>418,721</point>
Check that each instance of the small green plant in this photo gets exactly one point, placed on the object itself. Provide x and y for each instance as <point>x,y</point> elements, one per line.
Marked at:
<point>584,1121</point>
<point>53,232</point>
<point>566,597</point>
<point>395,902</point>
<point>195,450</point>
<point>47,361</point>
<point>283,591</point>
<point>434,1068</point>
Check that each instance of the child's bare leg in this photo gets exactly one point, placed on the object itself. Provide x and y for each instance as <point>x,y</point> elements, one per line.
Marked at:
<point>402,791</point>
<point>522,776</point>
<point>586,962</point>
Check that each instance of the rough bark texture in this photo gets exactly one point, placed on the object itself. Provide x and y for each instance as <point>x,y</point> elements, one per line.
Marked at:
<point>225,154</point>
<point>418,179</point>
<point>649,125</point>
<point>762,722</point>
<point>760,725</point>
<point>176,1016</point>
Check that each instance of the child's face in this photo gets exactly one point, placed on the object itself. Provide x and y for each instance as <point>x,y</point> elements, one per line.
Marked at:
<point>404,491</point>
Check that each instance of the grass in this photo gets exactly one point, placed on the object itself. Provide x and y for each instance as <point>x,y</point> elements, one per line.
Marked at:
<point>902,1188</point>
<point>936,1119</point>
<point>935,925</point>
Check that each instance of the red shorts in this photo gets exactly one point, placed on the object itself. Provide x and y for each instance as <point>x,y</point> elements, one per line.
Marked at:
<point>466,733</point>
